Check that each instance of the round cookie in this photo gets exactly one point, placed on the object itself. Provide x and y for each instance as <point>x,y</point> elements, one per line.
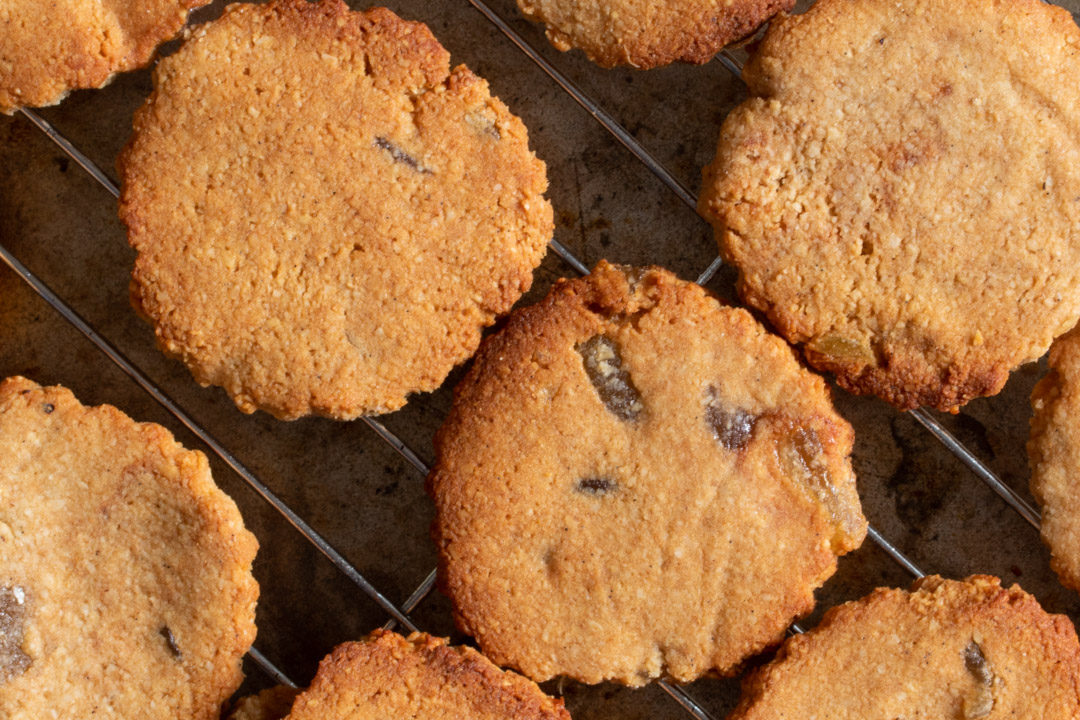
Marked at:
<point>635,482</point>
<point>1054,452</point>
<point>271,704</point>
<point>125,573</point>
<point>419,677</point>
<point>326,216</point>
<point>947,649</point>
<point>49,48</point>
<point>901,193</point>
<point>646,34</point>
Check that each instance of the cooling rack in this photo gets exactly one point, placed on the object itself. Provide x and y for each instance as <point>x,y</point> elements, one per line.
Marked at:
<point>339,507</point>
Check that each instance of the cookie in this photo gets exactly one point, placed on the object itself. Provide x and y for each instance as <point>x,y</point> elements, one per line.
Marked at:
<point>946,649</point>
<point>645,35</point>
<point>48,49</point>
<point>326,216</point>
<point>270,704</point>
<point>1054,452</point>
<point>636,482</point>
<point>421,677</point>
<point>125,574</point>
<point>901,193</point>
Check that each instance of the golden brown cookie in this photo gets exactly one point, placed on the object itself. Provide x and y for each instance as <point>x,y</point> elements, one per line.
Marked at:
<point>637,482</point>
<point>270,704</point>
<point>947,649</point>
<point>419,677</point>
<point>326,216</point>
<point>125,573</point>
<point>645,33</point>
<point>50,48</point>
<point>901,193</point>
<point>1054,452</point>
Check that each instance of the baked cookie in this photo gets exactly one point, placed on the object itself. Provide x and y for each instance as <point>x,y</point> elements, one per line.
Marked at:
<point>646,34</point>
<point>49,48</point>
<point>270,704</point>
<point>419,677</point>
<point>947,649</point>
<point>326,216</point>
<point>1054,452</point>
<point>125,574</point>
<point>901,195</point>
<point>635,482</point>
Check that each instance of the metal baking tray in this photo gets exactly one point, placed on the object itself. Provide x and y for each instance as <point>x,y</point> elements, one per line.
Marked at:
<point>622,189</point>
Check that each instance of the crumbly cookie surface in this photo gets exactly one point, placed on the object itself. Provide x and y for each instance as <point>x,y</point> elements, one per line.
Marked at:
<point>421,677</point>
<point>50,48</point>
<point>1054,453</point>
<point>326,216</point>
<point>125,573</point>
<point>645,33</point>
<point>636,482</point>
<point>271,704</point>
<point>901,194</point>
<point>947,649</point>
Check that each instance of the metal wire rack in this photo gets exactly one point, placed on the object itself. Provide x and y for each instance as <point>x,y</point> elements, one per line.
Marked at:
<point>400,614</point>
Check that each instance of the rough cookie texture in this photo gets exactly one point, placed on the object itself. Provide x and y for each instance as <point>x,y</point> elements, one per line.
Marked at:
<point>128,570</point>
<point>419,677</point>
<point>901,194</point>
<point>947,649</point>
<point>326,216</point>
<point>646,33</point>
<point>270,704</point>
<point>1054,452</point>
<point>50,48</point>
<point>658,503</point>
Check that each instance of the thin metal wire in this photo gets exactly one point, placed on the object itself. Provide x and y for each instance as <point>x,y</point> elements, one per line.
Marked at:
<point>688,703</point>
<point>166,402</point>
<point>707,273</point>
<point>272,670</point>
<point>395,442</point>
<point>987,475</point>
<point>73,152</point>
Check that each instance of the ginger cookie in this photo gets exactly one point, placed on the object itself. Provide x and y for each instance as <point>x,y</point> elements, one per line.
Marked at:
<point>901,193</point>
<point>1054,452</point>
<point>270,704</point>
<point>637,482</point>
<point>646,34</point>
<point>125,573</point>
<point>326,215</point>
<point>420,677</point>
<point>49,48</point>
<point>946,649</point>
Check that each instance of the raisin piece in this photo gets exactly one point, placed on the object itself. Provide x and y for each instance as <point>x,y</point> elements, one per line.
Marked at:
<point>731,427</point>
<point>13,661</point>
<point>170,640</point>
<point>603,365</point>
<point>979,703</point>
<point>401,156</point>
<point>596,486</point>
<point>844,349</point>
<point>48,408</point>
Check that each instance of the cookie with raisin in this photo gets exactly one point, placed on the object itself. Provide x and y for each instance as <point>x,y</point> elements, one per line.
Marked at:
<point>638,482</point>
<point>901,192</point>
<point>946,649</point>
<point>48,49</point>
<point>644,33</point>
<point>125,573</point>
<point>421,677</point>
<point>326,215</point>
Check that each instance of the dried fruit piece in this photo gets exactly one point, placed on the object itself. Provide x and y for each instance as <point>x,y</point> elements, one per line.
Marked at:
<point>401,156</point>
<point>844,349</point>
<point>596,486</point>
<point>730,426</point>
<point>981,702</point>
<point>803,459</point>
<point>603,364</point>
<point>170,640</point>
<point>13,661</point>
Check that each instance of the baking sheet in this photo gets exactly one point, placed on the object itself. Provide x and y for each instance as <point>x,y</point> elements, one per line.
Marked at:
<point>352,487</point>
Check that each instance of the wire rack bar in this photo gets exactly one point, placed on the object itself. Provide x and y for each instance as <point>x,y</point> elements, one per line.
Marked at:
<point>73,152</point>
<point>166,402</point>
<point>687,703</point>
<point>272,670</point>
